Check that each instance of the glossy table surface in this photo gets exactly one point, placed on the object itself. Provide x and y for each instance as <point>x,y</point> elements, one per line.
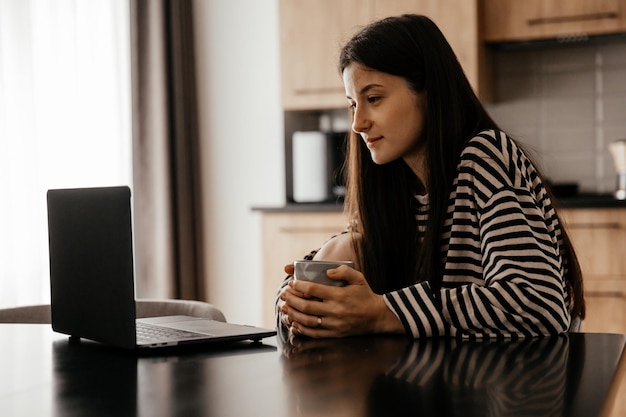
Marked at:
<point>44,375</point>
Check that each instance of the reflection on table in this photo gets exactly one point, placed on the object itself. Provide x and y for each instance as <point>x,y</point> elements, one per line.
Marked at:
<point>569,375</point>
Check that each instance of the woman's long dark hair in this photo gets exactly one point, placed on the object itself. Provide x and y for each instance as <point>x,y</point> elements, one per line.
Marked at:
<point>380,198</point>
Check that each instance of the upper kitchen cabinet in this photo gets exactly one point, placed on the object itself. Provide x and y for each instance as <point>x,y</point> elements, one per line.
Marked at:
<point>311,35</point>
<point>525,20</point>
<point>313,31</point>
<point>459,20</point>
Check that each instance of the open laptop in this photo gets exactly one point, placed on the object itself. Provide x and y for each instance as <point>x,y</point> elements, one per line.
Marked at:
<point>92,282</point>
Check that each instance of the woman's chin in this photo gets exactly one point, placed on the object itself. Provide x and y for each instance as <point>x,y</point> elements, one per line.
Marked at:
<point>380,159</point>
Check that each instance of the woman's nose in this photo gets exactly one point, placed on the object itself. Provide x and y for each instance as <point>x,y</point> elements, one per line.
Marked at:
<point>360,123</point>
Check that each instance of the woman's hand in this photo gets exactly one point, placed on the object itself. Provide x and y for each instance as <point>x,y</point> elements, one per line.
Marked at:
<point>321,311</point>
<point>280,302</point>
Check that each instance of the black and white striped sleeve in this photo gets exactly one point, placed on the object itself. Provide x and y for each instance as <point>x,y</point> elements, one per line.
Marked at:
<point>503,274</point>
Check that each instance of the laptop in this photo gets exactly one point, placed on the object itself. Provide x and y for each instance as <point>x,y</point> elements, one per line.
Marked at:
<point>92,281</point>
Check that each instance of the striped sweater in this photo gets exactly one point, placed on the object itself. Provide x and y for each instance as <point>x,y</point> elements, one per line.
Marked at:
<point>502,253</point>
<point>503,264</point>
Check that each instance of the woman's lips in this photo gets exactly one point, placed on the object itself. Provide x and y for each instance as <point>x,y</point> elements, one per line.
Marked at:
<point>372,141</point>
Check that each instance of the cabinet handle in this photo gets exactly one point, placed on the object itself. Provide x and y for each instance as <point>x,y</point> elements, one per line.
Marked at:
<point>609,225</point>
<point>605,294</point>
<point>311,229</point>
<point>324,90</point>
<point>574,18</point>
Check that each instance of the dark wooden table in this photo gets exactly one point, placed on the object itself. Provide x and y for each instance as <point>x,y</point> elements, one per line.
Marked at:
<point>43,375</point>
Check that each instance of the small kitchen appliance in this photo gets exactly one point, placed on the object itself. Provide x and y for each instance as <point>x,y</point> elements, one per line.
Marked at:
<point>618,151</point>
<point>317,159</point>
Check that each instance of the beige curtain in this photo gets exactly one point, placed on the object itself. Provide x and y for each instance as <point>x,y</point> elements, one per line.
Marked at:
<point>166,189</point>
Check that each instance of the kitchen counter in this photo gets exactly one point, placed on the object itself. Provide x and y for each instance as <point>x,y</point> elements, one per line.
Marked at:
<point>302,208</point>
<point>590,200</point>
<point>582,200</point>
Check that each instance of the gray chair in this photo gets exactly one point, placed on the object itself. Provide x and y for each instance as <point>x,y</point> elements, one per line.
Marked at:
<point>145,307</point>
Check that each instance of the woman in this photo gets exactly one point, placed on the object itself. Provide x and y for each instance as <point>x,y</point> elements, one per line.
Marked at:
<point>453,231</point>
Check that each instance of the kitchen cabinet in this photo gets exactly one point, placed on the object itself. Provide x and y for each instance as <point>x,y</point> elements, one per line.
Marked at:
<point>524,20</point>
<point>599,238</point>
<point>286,237</point>
<point>311,34</point>
<point>459,20</point>
<point>313,31</point>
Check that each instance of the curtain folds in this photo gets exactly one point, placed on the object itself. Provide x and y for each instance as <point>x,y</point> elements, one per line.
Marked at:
<point>166,168</point>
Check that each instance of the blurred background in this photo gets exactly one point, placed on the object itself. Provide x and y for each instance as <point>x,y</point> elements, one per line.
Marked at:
<point>65,121</point>
<point>193,103</point>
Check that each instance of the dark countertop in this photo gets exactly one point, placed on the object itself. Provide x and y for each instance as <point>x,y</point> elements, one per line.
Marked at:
<point>589,200</point>
<point>582,201</point>
<point>302,208</point>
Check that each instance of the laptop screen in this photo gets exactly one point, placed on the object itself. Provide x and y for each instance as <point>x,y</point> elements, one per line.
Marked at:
<point>91,264</point>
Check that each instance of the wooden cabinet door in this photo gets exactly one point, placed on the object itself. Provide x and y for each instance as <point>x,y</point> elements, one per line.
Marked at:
<point>311,35</point>
<point>599,238</point>
<point>515,20</point>
<point>459,22</point>
<point>605,314</point>
<point>287,237</point>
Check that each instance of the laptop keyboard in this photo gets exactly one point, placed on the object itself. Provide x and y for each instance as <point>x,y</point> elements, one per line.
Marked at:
<point>147,333</point>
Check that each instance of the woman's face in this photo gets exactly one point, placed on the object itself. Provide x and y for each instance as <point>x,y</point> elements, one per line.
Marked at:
<point>388,115</point>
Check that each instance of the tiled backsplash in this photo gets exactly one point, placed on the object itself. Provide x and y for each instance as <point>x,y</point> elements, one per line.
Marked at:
<point>565,104</point>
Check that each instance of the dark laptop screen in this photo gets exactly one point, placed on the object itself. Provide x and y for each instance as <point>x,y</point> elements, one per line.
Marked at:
<point>91,264</point>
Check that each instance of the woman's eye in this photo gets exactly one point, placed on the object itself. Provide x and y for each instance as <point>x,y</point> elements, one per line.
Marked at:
<point>373,99</point>
<point>351,105</point>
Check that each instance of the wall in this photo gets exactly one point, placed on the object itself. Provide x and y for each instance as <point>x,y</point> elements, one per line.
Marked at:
<point>241,130</point>
<point>566,104</point>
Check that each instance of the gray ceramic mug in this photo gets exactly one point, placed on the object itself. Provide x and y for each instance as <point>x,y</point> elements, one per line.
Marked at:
<point>315,271</point>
